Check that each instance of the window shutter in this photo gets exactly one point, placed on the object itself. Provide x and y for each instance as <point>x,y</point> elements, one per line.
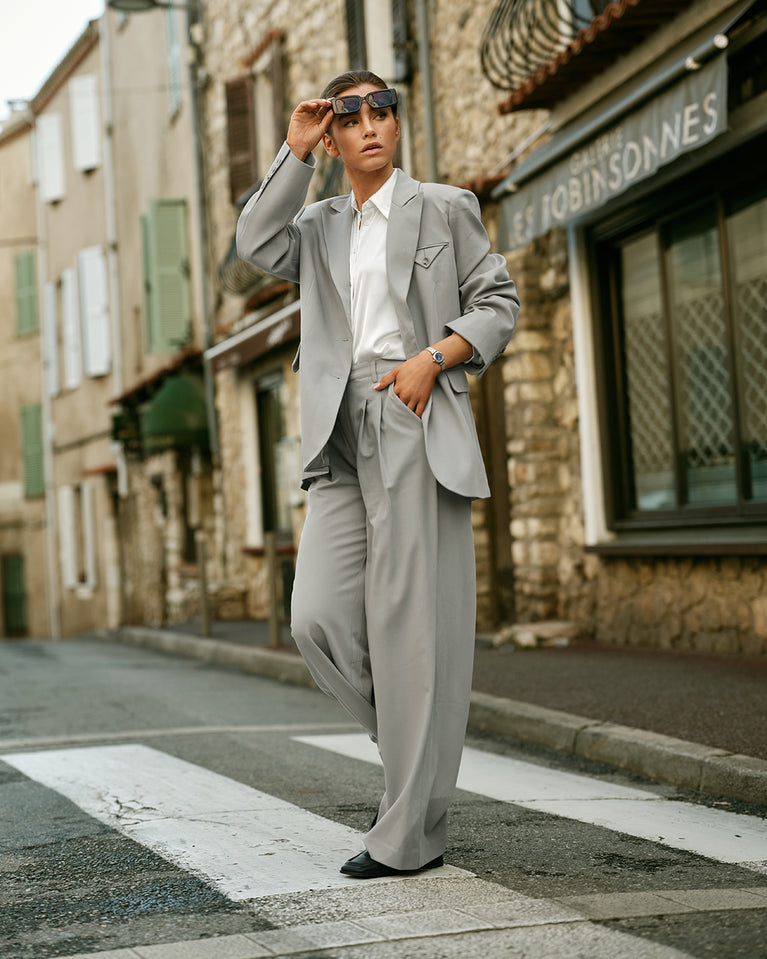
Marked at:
<point>50,339</point>
<point>71,330</point>
<point>167,258</point>
<point>89,531</point>
<point>84,112</point>
<point>146,250</point>
<point>355,31</point>
<point>50,157</point>
<point>32,450</point>
<point>26,293</point>
<point>174,60</point>
<point>94,307</point>
<point>278,94</point>
<point>241,132</point>
<point>67,537</point>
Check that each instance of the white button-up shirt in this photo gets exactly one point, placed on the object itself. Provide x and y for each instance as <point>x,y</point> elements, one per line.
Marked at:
<point>375,326</point>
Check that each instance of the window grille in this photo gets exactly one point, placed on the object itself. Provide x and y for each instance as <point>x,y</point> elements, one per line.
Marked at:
<point>684,352</point>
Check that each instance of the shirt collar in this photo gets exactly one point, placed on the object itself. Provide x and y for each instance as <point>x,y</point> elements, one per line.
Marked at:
<point>381,199</point>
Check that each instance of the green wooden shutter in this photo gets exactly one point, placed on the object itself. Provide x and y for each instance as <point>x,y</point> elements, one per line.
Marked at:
<point>26,293</point>
<point>14,596</point>
<point>32,444</point>
<point>149,321</point>
<point>166,267</point>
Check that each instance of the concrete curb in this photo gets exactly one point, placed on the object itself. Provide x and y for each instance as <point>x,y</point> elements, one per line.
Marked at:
<point>662,758</point>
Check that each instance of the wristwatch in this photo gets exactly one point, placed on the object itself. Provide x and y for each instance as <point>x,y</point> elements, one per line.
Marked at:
<point>437,357</point>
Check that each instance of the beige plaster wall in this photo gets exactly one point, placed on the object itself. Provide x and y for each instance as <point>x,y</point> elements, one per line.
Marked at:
<point>22,520</point>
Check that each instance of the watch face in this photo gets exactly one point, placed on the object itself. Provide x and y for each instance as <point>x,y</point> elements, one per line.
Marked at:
<point>439,357</point>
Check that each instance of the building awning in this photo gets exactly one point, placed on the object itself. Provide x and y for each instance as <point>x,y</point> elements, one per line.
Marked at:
<point>684,118</point>
<point>176,416</point>
<point>189,358</point>
<point>267,334</point>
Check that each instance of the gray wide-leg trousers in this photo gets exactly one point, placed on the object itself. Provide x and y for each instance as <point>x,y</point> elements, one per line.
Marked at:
<point>384,610</point>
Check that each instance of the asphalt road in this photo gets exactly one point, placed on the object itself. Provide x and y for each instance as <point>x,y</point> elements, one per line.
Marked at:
<point>109,754</point>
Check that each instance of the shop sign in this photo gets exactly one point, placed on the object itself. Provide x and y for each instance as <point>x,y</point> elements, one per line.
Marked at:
<point>684,118</point>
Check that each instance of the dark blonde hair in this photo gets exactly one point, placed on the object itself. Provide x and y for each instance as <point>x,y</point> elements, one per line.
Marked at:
<point>354,78</point>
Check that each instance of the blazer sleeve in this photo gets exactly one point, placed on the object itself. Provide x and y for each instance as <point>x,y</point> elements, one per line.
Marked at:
<point>489,300</point>
<point>267,234</point>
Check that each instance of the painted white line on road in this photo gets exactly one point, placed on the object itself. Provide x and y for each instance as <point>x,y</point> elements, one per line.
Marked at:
<point>131,735</point>
<point>724,836</point>
<point>247,843</point>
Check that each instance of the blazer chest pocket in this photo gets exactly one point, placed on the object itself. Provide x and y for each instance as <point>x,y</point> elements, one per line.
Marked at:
<point>426,255</point>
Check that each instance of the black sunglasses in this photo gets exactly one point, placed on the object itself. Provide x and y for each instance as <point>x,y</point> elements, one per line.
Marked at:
<point>376,99</point>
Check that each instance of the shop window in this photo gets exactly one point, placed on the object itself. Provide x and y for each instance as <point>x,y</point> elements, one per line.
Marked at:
<point>685,348</point>
<point>274,458</point>
<point>14,595</point>
<point>190,467</point>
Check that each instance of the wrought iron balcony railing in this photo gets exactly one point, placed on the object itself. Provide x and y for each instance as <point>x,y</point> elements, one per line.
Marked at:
<point>523,36</point>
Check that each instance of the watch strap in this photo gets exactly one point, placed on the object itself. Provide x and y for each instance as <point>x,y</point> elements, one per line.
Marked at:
<point>437,357</point>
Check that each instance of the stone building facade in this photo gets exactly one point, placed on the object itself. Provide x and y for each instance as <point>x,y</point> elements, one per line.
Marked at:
<point>318,41</point>
<point>635,467</point>
<point>588,521</point>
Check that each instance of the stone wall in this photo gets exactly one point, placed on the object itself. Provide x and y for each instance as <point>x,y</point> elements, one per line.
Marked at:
<point>473,139</point>
<point>542,429</point>
<point>709,605</point>
<point>160,578</point>
<point>701,604</point>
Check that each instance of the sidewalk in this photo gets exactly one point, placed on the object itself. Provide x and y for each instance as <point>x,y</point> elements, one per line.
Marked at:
<point>693,720</point>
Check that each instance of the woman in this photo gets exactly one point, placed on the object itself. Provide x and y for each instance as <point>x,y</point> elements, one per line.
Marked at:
<point>400,297</point>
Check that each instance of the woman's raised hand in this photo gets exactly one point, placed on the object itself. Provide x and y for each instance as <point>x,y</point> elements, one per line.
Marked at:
<point>309,122</point>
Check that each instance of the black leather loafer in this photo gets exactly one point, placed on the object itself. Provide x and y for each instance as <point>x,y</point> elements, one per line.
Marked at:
<point>363,866</point>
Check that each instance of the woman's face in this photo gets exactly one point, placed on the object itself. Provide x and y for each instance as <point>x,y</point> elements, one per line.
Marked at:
<point>365,141</point>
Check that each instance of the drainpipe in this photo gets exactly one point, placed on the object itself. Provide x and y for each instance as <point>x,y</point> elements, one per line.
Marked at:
<point>424,67</point>
<point>52,583</point>
<point>195,28</point>
<point>110,205</point>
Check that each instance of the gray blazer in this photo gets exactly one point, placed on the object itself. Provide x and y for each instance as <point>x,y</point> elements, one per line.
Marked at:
<point>442,279</point>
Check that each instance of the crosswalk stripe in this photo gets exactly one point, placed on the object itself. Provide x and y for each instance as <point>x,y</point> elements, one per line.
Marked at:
<point>246,842</point>
<point>252,845</point>
<point>720,835</point>
<point>163,732</point>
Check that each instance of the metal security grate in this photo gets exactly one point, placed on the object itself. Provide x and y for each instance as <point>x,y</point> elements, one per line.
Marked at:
<point>648,390</point>
<point>705,404</point>
<point>751,305</point>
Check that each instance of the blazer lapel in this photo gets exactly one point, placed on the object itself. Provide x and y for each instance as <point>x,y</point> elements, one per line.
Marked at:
<point>401,244</point>
<point>337,224</point>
